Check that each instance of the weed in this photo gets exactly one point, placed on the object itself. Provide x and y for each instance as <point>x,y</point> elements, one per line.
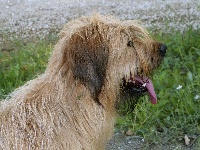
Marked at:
<point>22,64</point>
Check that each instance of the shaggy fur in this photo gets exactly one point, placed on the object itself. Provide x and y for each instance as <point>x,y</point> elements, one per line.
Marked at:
<point>72,105</point>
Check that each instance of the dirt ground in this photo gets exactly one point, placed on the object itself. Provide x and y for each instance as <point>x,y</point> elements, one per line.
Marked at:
<point>120,141</point>
<point>29,19</point>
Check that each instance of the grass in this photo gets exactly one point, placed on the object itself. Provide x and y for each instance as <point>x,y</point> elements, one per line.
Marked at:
<point>177,111</point>
<point>22,64</point>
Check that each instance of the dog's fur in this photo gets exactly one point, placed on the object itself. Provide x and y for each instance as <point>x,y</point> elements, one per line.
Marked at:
<point>72,105</point>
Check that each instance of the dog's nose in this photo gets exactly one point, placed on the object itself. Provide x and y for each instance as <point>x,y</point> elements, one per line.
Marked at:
<point>163,49</point>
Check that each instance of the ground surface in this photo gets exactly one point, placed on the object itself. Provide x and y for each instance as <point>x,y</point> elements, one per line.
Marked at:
<point>120,141</point>
<point>37,18</point>
<point>27,19</point>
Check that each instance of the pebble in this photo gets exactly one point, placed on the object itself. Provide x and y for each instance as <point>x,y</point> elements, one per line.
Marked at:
<point>19,17</point>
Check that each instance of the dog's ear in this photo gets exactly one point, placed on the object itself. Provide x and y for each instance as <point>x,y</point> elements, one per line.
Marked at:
<point>90,60</point>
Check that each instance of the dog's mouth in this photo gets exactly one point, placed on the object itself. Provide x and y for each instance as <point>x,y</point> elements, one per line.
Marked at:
<point>140,85</point>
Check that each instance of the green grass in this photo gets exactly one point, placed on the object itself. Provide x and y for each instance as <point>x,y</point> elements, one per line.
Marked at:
<point>22,64</point>
<point>177,112</point>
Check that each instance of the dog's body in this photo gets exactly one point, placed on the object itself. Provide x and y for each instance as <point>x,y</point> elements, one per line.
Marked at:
<point>72,105</point>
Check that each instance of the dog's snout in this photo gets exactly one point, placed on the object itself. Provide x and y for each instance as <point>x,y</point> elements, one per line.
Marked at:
<point>163,49</point>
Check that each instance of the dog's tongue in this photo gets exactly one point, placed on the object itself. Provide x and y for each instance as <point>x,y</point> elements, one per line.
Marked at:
<point>149,85</point>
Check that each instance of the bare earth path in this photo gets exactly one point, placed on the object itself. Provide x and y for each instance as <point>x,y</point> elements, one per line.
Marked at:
<point>28,19</point>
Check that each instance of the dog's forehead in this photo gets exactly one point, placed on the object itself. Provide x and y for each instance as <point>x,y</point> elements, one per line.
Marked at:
<point>105,24</point>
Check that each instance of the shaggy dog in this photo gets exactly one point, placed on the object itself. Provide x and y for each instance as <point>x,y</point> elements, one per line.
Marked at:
<point>72,105</point>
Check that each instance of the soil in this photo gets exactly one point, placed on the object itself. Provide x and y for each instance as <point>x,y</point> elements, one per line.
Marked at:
<point>121,141</point>
<point>33,19</point>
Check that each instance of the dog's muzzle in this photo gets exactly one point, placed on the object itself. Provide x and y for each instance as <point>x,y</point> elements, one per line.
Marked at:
<point>139,86</point>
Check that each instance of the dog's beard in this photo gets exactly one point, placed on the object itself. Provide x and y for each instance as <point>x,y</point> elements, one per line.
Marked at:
<point>132,90</point>
<point>138,86</point>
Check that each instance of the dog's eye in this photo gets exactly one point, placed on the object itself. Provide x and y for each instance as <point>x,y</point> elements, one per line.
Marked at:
<point>130,43</point>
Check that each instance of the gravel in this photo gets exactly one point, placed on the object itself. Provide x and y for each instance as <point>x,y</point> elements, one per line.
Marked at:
<point>29,19</point>
<point>25,19</point>
<point>120,141</point>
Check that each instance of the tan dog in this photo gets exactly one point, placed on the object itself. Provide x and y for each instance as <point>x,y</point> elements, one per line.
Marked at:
<point>72,105</point>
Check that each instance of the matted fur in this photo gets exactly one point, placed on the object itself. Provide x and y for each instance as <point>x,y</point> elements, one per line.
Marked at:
<point>71,105</point>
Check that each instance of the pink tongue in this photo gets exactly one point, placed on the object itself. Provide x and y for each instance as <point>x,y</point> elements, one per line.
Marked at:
<point>150,88</point>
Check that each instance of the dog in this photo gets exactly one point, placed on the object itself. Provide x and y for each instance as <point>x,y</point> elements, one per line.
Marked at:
<point>72,105</point>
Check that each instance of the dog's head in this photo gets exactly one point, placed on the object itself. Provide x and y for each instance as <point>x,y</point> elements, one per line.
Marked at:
<point>149,56</point>
<point>105,54</point>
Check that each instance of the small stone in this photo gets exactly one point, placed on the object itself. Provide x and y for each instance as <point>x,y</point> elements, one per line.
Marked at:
<point>187,140</point>
<point>142,140</point>
<point>129,133</point>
